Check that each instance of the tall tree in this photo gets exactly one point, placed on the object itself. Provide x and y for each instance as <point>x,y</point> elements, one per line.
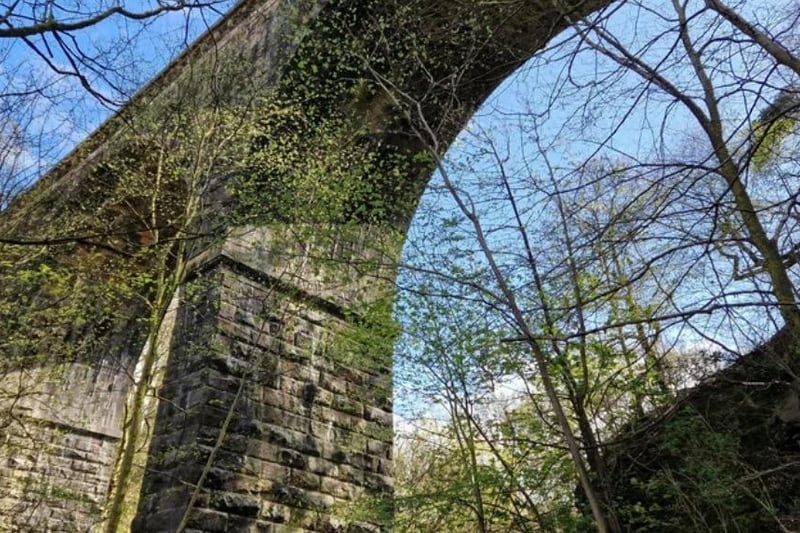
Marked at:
<point>67,65</point>
<point>621,239</point>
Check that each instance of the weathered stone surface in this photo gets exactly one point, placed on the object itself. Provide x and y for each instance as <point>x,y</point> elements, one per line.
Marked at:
<point>280,443</point>
<point>57,453</point>
<point>262,425</point>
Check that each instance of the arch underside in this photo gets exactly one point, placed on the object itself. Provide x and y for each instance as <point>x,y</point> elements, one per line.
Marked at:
<point>260,396</point>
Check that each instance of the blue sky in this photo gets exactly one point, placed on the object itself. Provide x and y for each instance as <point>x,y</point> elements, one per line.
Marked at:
<point>534,119</point>
<point>559,112</point>
<point>55,110</point>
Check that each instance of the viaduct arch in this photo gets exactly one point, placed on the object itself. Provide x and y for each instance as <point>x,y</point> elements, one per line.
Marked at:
<point>239,380</point>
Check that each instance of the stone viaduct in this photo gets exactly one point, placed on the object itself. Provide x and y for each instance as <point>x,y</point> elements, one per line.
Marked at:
<point>232,372</point>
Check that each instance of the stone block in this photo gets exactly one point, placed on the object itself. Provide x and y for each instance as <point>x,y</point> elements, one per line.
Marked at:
<point>219,478</point>
<point>304,480</point>
<point>379,448</point>
<point>236,503</point>
<point>338,418</point>
<point>290,495</point>
<point>337,488</point>
<point>248,525</point>
<point>276,513</point>
<point>323,467</point>
<point>310,446</point>
<point>380,416</point>
<point>385,467</point>
<point>333,383</point>
<point>263,450</point>
<point>208,520</point>
<point>275,472</point>
<point>351,474</point>
<point>292,459</point>
<point>157,521</point>
<point>347,404</point>
<point>319,501</point>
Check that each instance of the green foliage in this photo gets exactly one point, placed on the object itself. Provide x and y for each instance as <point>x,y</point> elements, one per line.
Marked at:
<point>310,170</point>
<point>367,340</point>
<point>701,483</point>
<point>328,153</point>
<point>769,139</point>
<point>370,510</point>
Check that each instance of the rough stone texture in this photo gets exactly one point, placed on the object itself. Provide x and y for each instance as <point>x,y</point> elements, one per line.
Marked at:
<point>58,446</point>
<point>307,436</point>
<point>255,34</point>
<point>60,427</point>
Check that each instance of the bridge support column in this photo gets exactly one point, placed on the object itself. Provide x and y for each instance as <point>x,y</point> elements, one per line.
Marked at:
<point>260,426</point>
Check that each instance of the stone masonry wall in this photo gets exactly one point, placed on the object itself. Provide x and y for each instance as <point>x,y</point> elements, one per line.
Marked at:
<point>58,446</point>
<point>60,426</point>
<point>263,423</point>
<point>256,410</point>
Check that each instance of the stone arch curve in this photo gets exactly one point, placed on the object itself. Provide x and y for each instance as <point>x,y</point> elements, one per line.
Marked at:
<point>259,424</point>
